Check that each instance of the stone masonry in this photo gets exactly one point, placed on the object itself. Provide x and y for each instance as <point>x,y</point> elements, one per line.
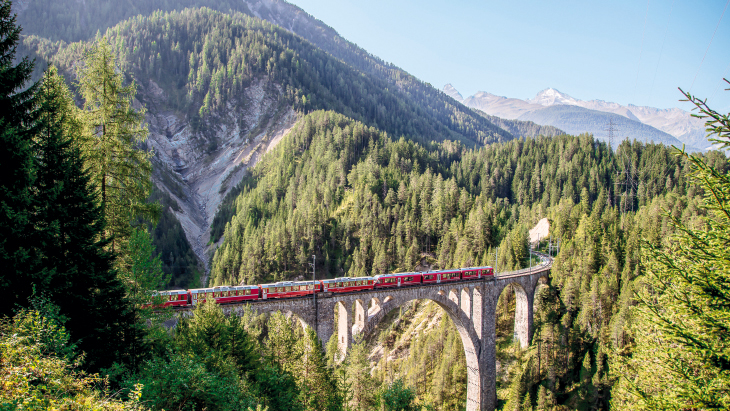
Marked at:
<point>471,305</point>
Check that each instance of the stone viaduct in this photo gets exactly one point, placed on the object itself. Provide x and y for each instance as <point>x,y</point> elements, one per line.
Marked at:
<point>471,305</point>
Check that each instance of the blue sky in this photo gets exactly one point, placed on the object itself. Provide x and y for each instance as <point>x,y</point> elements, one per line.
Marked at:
<point>587,49</point>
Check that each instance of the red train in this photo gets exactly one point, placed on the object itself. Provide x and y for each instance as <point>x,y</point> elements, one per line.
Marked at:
<point>292,289</point>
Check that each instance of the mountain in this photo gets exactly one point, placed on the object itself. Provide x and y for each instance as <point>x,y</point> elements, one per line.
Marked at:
<point>675,122</point>
<point>222,89</point>
<point>71,20</point>
<point>577,120</point>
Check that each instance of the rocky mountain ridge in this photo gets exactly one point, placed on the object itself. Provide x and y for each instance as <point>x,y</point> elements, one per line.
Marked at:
<point>676,122</point>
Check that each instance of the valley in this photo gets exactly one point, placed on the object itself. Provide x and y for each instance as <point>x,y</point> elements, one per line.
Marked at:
<point>198,174</point>
<point>179,144</point>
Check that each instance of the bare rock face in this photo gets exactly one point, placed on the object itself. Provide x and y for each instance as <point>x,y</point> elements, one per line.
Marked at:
<point>199,168</point>
<point>540,231</point>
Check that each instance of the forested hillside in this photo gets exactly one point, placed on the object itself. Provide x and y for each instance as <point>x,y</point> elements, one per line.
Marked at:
<point>378,172</point>
<point>203,63</point>
<point>68,21</point>
<point>365,204</point>
<point>523,128</point>
<point>203,59</point>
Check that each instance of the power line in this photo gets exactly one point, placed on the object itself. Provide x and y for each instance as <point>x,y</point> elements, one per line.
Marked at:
<point>708,46</point>
<point>722,80</point>
<point>661,51</point>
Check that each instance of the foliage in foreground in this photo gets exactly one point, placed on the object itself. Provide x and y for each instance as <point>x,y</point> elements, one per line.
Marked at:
<point>680,358</point>
<point>38,370</point>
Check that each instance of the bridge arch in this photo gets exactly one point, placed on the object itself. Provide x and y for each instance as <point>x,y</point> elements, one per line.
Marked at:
<point>458,303</point>
<point>470,305</point>
<point>523,298</point>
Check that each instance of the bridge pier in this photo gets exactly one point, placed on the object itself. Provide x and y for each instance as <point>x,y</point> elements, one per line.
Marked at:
<point>344,327</point>
<point>471,305</point>
<point>361,316</point>
<point>523,316</point>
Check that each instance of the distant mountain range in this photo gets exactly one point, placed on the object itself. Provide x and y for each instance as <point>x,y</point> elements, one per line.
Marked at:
<point>550,107</point>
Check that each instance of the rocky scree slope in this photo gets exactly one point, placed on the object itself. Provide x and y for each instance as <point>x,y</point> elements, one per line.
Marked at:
<point>220,89</point>
<point>198,173</point>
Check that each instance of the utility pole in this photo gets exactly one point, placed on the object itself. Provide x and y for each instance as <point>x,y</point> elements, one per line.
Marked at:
<point>314,293</point>
<point>550,246</point>
<point>496,254</point>
<point>610,130</point>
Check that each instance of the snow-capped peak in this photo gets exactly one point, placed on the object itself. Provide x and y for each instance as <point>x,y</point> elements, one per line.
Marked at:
<point>551,96</point>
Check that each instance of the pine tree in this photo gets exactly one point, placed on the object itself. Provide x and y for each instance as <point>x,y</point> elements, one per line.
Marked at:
<point>682,327</point>
<point>140,273</point>
<point>115,134</point>
<point>361,383</point>
<point>70,226</point>
<point>318,387</point>
<point>280,342</point>
<point>17,241</point>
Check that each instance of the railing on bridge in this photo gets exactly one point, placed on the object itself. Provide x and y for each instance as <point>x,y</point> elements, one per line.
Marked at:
<point>546,262</point>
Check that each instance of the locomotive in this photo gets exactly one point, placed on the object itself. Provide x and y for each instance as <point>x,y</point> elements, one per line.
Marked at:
<point>293,289</point>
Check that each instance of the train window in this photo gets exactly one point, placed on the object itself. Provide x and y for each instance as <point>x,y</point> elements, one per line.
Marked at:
<point>248,291</point>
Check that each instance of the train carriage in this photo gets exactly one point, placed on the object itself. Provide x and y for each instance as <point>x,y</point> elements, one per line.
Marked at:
<point>169,298</point>
<point>440,276</point>
<point>397,280</point>
<point>200,295</point>
<point>474,273</point>
<point>286,289</point>
<point>230,294</point>
<point>346,284</point>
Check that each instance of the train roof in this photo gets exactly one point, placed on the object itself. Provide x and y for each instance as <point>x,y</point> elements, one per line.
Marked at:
<point>394,274</point>
<point>451,270</point>
<point>287,283</point>
<point>222,288</point>
<point>476,268</point>
<point>172,292</point>
<point>341,279</point>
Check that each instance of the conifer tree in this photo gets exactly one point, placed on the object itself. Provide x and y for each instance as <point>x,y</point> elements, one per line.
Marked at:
<point>318,388</point>
<point>69,223</point>
<point>682,328</point>
<point>361,383</point>
<point>114,136</point>
<point>17,254</point>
